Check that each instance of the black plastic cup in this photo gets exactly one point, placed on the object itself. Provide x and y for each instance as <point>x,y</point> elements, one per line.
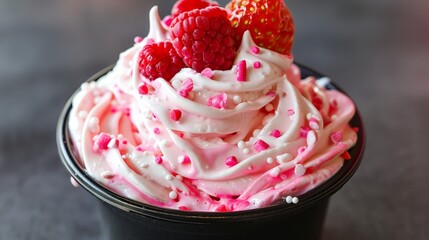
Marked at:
<point>123,218</point>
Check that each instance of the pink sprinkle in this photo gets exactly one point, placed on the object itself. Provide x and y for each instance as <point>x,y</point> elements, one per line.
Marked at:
<point>138,39</point>
<point>158,160</point>
<point>150,40</point>
<point>336,137</point>
<point>167,20</point>
<point>241,71</point>
<point>276,133</point>
<point>303,131</point>
<point>188,84</point>
<point>102,142</point>
<point>184,159</point>
<point>231,161</point>
<point>257,64</point>
<point>218,101</point>
<point>73,182</point>
<point>260,145</point>
<point>290,112</point>
<point>140,149</point>
<point>313,123</point>
<point>254,49</point>
<point>207,72</point>
<point>124,141</point>
<point>127,111</point>
<point>143,89</point>
<point>301,149</point>
<point>175,114</point>
<point>183,93</point>
<point>156,130</point>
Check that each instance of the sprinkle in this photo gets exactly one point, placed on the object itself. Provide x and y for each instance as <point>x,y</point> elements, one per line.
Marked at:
<point>236,99</point>
<point>299,170</point>
<point>73,182</point>
<point>138,39</point>
<point>183,208</point>
<point>246,150</point>
<point>113,143</point>
<point>275,172</point>
<point>275,133</point>
<point>256,132</point>
<point>314,123</point>
<point>143,89</point>
<point>241,71</point>
<point>346,155</point>
<point>241,144</point>
<point>337,137</point>
<point>168,177</point>
<point>254,49</point>
<point>158,160</point>
<point>218,101</point>
<point>290,112</point>
<point>107,175</point>
<point>295,200</point>
<point>288,199</point>
<point>284,158</point>
<point>270,160</point>
<point>102,141</point>
<point>93,125</point>
<point>156,131</point>
<point>172,195</point>
<point>183,93</point>
<point>231,161</point>
<point>184,159</point>
<point>355,129</point>
<point>303,131</point>
<point>175,114</point>
<point>221,208</point>
<point>188,85</point>
<point>260,145</point>
<point>301,149</point>
<point>83,114</point>
<point>311,137</point>
<point>207,72</point>
<point>257,64</point>
<point>269,107</point>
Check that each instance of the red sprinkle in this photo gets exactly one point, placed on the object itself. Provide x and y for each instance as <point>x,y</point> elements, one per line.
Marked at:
<point>184,208</point>
<point>304,131</point>
<point>175,114</point>
<point>184,159</point>
<point>221,208</point>
<point>276,133</point>
<point>346,155</point>
<point>260,145</point>
<point>231,161</point>
<point>158,160</point>
<point>241,71</point>
<point>143,89</point>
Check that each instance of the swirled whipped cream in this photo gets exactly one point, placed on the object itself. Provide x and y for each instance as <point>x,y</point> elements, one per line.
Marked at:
<point>219,140</point>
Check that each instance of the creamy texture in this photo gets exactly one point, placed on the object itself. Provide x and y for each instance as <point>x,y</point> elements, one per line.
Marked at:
<point>238,144</point>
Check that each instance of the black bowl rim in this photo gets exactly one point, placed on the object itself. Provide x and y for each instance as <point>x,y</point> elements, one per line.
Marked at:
<point>308,199</point>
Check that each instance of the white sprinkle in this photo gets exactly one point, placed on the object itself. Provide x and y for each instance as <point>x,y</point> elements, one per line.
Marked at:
<point>311,137</point>
<point>309,116</point>
<point>269,107</point>
<point>172,195</point>
<point>275,172</point>
<point>241,144</point>
<point>93,125</point>
<point>334,116</point>
<point>270,160</point>
<point>124,156</point>
<point>236,99</point>
<point>284,158</point>
<point>299,170</point>
<point>246,150</point>
<point>84,85</point>
<point>295,200</point>
<point>181,158</point>
<point>112,143</point>
<point>289,199</point>
<point>168,177</point>
<point>83,114</point>
<point>256,132</point>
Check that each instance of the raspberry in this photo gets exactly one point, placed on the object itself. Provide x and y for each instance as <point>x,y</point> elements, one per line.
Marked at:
<point>205,39</point>
<point>182,6</point>
<point>269,21</point>
<point>159,60</point>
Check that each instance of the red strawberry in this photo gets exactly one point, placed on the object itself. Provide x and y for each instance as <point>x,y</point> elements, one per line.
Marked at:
<point>159,60</point>
<point>182,6</point>
<point>205,39</point>
<point>269,21</point>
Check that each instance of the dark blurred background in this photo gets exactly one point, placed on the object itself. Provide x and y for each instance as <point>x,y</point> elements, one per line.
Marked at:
<point>376,50</point>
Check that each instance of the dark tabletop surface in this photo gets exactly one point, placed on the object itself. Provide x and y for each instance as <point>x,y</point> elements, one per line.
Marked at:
<point>376,50</point>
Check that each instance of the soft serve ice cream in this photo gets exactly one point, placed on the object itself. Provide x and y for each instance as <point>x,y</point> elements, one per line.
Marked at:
<point>209,136</point>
